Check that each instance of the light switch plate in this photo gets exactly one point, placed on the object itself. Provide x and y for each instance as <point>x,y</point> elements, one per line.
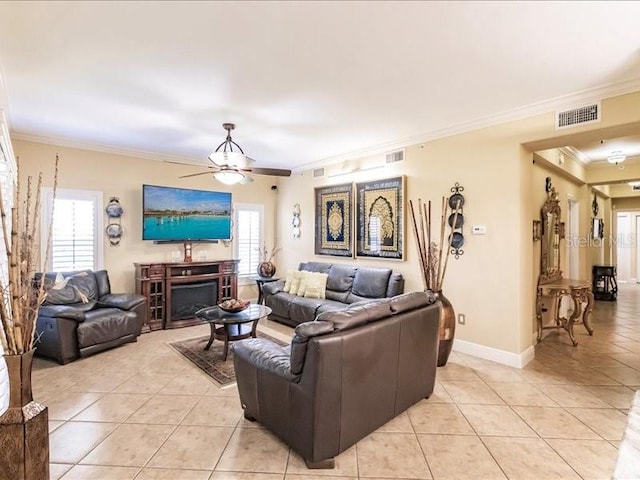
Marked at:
<point>479,230</point>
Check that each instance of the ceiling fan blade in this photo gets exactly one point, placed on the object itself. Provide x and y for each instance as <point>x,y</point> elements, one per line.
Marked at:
<point>276,172</point>
<point>196,174</point>
<point>190,163</point>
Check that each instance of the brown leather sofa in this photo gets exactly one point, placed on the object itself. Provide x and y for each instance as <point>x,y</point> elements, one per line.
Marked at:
<point>344,376</point>
<point>346,284</point>
<point>81,316</point>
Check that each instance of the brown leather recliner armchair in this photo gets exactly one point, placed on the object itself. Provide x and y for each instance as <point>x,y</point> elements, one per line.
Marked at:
<point>81,316</point>
<point>345,375</point>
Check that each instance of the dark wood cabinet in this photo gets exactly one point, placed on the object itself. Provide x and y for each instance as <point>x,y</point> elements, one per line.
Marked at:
<point>175,291</point>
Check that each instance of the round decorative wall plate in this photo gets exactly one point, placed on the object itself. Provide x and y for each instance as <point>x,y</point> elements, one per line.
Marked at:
<point>114,209</point>
<point>114,230</point>
<point>457,240</point>
<point>454,199</point>
<point>459,219</point>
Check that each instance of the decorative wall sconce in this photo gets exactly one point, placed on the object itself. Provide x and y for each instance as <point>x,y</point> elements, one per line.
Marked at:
<point>537,230</point>
<point>456,220</point>
<point>114,229</point>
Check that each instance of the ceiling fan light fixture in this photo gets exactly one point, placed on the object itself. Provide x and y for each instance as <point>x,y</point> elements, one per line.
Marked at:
<point>229,177</point>
<point>616,157</point>
<point>229,153</point>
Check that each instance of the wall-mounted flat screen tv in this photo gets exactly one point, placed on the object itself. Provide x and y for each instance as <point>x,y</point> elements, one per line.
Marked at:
<point>182,214</point>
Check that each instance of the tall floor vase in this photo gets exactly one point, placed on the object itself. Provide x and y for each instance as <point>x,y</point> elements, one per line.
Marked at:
<point>447,328</point>
<point>24,427</point>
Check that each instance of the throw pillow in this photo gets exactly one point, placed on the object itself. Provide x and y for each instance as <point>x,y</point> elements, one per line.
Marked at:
<point>287,282</point>
<point>304,280</point>
<point>316,285</point>
<point>295,282</point>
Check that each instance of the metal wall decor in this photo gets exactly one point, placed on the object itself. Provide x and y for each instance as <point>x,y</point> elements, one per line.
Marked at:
<point>456,220</point>
<point>597,224</point>
<point>334,215</point>
<point>114,229</point>
<point>295,222</point>
<point>380,218</point>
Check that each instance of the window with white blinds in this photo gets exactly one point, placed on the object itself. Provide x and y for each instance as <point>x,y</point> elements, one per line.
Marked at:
<point>248,226</point>
<point>76,242</point>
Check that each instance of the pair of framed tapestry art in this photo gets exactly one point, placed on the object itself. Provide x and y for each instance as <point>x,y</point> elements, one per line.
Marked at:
<point>377,231</point>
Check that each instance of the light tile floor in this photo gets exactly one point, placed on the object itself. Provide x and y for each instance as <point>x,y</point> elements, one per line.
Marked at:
<point>142,412</point>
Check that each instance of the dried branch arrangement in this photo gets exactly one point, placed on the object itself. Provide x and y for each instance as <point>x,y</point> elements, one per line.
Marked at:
<point>20,298</point>
<point>267,255</point>
<point>432,264</point>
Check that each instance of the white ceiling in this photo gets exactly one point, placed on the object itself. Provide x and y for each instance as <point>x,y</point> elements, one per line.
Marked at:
<point>304,81</point>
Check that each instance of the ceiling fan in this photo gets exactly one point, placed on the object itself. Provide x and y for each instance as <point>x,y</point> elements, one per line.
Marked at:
<point>231,165</point>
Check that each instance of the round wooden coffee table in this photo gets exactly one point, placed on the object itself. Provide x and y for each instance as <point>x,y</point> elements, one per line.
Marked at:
<point>229,327</point>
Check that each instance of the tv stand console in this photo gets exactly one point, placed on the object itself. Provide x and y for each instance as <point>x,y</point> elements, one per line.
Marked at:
<point>176,290</point>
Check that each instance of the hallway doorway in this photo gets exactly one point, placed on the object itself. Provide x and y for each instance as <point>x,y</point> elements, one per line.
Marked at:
<point>627,238</point>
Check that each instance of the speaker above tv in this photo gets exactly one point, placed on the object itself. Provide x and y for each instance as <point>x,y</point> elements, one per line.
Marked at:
<point>174,215</point>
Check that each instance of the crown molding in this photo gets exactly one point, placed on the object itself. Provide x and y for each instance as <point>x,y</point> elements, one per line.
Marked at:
<point>566,101</point>
<point>575,154</point>
<point>97,147</point>
<point>572,100</point>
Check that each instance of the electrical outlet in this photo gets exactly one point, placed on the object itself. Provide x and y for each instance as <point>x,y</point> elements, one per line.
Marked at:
<point>461,319</point>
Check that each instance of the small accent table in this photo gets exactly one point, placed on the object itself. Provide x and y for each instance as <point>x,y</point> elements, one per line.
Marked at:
<point>579,291</point>
<point>260,281</point>
<point>605,286</point>
<point>229,327</point>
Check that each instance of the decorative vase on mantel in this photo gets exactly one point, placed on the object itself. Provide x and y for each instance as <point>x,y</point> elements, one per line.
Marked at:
<point>24,427</point>
<point>266,269</point>
<point>447,328</point>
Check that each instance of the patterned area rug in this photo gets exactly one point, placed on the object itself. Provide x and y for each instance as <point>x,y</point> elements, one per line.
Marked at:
<point>210,361</point>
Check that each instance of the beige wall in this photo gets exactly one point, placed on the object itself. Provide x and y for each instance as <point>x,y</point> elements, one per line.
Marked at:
<point>493,283</point>
<point>483,283</point>
<point>120,176</point>
<point>628,203</point>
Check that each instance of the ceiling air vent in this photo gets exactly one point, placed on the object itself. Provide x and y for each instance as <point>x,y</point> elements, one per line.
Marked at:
<point>578,116</point>
<point>393,157</point>
<point>318,172</point>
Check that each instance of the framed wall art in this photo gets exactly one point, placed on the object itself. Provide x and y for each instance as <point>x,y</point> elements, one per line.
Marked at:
<point>334,217</point>
<point>380,218</point>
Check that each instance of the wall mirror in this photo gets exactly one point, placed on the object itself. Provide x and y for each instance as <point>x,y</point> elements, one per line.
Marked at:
<point>551,234</point>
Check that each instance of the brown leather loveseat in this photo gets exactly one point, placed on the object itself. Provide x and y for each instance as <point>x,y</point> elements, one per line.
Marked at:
<point>345,375</point>
<point>80,315</point>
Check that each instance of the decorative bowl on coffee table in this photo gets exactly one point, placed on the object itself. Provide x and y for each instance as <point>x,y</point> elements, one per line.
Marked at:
<point>236,309</point>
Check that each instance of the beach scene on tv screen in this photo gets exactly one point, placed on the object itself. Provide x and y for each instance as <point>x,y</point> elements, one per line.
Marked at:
<point>182,214</point>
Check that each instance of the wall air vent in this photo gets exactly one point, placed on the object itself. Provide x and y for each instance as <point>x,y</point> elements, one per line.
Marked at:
<point>318,172</point>
<point>578,116</point>
<point>393,157</point>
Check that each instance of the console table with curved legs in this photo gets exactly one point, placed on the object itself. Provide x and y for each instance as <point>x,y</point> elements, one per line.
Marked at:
<point>579,291</point>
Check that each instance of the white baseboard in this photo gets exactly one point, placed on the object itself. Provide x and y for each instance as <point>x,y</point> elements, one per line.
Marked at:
<point>493,354</point>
